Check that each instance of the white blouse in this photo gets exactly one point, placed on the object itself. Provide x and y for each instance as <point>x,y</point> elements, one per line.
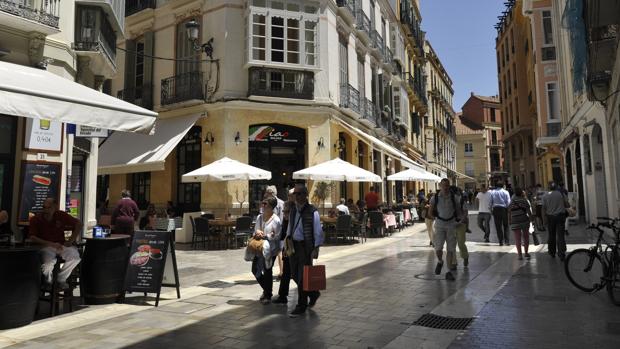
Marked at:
<point>272,229</point>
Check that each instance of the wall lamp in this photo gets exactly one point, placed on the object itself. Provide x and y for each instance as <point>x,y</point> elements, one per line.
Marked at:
<point>238,138</point>
<point>193,28</point>
<point>209,138</point>
<point>340,145</point>
<point>320,144</point>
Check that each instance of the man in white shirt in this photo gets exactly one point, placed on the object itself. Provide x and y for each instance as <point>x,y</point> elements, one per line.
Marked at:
<point>500,200</point>
<point>483,199</point>
<point>343,208</point>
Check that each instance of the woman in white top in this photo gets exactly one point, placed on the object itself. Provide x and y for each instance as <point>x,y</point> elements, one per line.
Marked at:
<point>268,227</point>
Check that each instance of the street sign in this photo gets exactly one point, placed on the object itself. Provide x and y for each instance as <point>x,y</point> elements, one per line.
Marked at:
<point>87,131</point>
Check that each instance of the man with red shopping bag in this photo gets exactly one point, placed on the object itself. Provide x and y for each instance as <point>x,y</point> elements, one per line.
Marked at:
<point>304,229</point>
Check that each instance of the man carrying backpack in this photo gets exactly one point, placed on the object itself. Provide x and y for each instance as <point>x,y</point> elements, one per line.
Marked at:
<point>447,214</point>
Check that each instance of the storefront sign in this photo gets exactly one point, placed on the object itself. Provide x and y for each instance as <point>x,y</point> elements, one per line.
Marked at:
<point>147,260</point>
<point>39,181</point>
<point>45,135</point>
<point>87,131</point>
<point>276,133</point>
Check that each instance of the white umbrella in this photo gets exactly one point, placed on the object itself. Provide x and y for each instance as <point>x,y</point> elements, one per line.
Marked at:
<point>336,170</point>
<point>415,174</point>
<point>226,169</point>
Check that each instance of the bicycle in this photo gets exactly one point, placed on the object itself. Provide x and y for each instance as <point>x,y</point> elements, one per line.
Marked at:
<point>592,269</point>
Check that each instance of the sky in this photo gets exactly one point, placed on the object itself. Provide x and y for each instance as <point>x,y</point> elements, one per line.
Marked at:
<point>463,35</point>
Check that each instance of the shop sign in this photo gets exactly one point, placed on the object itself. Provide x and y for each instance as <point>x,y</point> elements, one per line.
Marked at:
<point>39,181</point>
<point>275,133</point>
<point>87,131</point>
<point>44,135</point>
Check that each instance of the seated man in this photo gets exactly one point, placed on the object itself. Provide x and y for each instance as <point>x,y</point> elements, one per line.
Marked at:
<point>342,208</point>
<point>48,229</point>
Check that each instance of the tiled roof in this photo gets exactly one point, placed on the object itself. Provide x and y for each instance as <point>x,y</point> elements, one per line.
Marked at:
<point>490,99</point>
<point>467,127</point>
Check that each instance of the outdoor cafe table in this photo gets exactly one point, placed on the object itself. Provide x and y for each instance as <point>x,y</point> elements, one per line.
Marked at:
<point>20,284</point>
<point>103,268</point>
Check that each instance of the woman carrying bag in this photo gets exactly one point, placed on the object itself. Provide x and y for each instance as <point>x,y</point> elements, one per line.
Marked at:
<point>519,218</point>
<point>268,227</point>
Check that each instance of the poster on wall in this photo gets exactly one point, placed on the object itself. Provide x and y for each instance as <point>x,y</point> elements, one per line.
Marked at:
<point>39,180</point>
<point>43,135</point>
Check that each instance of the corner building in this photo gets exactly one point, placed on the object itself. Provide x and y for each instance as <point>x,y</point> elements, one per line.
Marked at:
<point>290,84</point>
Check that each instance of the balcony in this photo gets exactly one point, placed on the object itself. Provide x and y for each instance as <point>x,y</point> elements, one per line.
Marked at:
<point>350,98</point>
<point>347,9</point>
<point>362,23</point>
<point>281,83</point>
<point>114,11</point>
<point>182,87</point>
<point>141,96</point>
<point>96,39</point>
<point>388,59</point>
<point>135,6</point>
<point>368,113</point>
<point>377,43</point>
<point>40,16</point>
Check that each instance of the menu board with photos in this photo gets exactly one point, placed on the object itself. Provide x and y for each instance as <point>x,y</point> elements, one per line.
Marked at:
<point>39,181</point>
<point>147,260</point>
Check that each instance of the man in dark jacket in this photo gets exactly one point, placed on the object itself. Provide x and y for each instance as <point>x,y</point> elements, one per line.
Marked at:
<point>304,228</point>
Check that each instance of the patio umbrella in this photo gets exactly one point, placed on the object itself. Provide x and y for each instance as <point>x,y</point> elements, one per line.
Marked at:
<point>225,169</point>
<point>336,170</point>
<point>415,174</point>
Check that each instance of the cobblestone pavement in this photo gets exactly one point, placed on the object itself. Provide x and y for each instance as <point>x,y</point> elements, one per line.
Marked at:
<point>375,292</point>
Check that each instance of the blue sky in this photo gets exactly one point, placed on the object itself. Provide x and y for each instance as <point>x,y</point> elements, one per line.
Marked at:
<point>462,34</point>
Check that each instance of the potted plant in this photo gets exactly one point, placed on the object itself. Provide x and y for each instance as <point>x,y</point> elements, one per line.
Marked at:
<point>322,190</point>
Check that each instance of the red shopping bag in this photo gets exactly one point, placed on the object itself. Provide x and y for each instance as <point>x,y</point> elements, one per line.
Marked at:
<point>314,278</point>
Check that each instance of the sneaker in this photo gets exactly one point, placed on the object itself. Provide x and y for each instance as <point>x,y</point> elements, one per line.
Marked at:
<point>438,268</point>
<point>314,299</point>
<point>449,276</point>
<point>506,243</point>
<point>465,262</point>
<point>527,255</point>
<point>297,311</point>
<point>486,240</point>
<point>280,300</point>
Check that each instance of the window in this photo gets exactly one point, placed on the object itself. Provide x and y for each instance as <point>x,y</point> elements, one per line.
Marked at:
<point>493,116</point>
<point>547,28</point>
<point>516,113</point>
<point>553,102</point>
<point>139,80</point>
<point>361,78</point>
<point>343,54</point>
<point>469,149</point>
<point>189,155</point>
<point>188,60</point>
<point>141,188</point>
<point>494,137</point>
<point>282,33</point>
<point>469,168</point>
<point>396,101</point>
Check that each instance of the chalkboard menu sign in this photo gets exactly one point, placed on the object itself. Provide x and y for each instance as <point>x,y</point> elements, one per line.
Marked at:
<point>39,181</point>
<point>147,259</point>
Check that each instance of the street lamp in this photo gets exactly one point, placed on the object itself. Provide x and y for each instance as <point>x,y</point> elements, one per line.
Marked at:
<point>193,27</point>
<point>238,138</point>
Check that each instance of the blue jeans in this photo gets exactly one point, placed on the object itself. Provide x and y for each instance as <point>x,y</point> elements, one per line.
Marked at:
<point>484,222</point>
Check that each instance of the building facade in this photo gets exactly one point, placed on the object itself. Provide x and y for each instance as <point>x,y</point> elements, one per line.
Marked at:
<point>440,122</point>
<point>269,92</point>
<point>482,113</point>
<point>77,41</point>
<point>471,152</point>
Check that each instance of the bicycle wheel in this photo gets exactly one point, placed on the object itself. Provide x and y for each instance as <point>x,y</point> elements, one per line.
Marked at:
<point>613,285</point>
<point>584,269</point>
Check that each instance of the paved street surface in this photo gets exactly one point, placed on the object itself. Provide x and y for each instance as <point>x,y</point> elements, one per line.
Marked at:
<point>376,291</point>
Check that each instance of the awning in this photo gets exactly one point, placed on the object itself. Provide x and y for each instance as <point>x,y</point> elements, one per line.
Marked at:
<point>404,159</point>
<point>126,152</point>
<point>39,94</point>
<point>460,175</point>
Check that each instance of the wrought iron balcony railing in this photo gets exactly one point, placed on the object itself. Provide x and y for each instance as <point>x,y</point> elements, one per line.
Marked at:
<point>349,4</point>
<point>362,21</point>
<point>182,87</point>
<point>46,12</point>
<point>135,6</point>
<point>389,57</point>
<point>368,110</point>
<point>377,42</point>
<point>281,83</point>
<point>141,96</point>
<point>350,98</point>
<point>103,40</point>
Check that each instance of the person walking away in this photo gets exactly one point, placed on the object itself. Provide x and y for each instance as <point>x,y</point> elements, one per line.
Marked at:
<point>48,229</point>
<point>444,209</point>
<point>372,199</point>
<point>428,217</point>
<point>500,199</point>
<point>483,200</point>
<point>554,210</point>
<point>519,217</point>
<point>307,235</point>
<point>285,266</point>
<point>126,214</point>
<point>461,231</point>
<point>268,227</point>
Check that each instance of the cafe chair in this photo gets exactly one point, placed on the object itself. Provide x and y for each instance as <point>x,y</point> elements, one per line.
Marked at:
<point>199,233</point>
<point>55,295</point>
<point>343,227</point>
<point>243,229</point>
<point>376,224</point>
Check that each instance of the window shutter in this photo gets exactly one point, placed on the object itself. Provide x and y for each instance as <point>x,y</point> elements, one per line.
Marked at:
<point>130,64</point>
<point>416,123</point>
<point>149,45</point>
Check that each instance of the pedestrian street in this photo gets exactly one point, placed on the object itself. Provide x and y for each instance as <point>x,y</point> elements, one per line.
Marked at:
<point>375,293</point>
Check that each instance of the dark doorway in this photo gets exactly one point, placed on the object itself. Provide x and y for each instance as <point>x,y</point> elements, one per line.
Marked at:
<point>8,129</point>
<point>569,171</point>
<point>277,148</point>
<point>582,206</point>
